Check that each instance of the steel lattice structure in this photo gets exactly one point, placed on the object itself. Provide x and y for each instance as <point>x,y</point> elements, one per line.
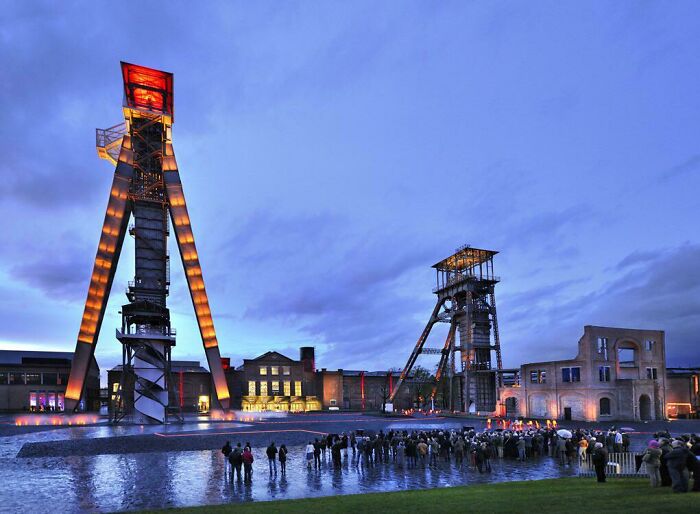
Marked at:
<point>466,300</point>
<point>147,185</point>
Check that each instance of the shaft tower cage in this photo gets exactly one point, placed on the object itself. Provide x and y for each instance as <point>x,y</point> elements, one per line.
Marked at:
<point>465,284</point>
<point>147,185</point>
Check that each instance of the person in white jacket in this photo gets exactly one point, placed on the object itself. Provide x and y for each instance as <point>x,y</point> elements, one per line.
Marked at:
<point>309,454</point>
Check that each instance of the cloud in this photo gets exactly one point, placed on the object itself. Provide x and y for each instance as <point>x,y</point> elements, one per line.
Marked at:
<point>690,165</point>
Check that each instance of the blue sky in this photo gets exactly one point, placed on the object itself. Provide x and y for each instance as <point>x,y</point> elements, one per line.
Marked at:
<point>331,152</point>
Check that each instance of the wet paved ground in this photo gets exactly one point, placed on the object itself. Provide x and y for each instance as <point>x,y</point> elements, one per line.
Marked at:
<point>155,478</point>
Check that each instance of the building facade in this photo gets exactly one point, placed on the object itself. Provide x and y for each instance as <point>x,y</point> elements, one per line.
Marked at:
<point>36,381</point>
<point>618,374</point>
<point>190,391</point>
<point>683,392</point>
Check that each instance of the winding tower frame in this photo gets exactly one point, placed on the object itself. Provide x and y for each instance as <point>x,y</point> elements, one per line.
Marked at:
<point>147,185</point>
<point>465,283</point>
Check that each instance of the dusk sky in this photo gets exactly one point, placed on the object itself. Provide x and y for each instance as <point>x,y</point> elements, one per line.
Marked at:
<point>331,152</point>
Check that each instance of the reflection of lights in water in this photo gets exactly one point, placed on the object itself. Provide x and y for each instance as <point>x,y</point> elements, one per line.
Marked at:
<point>68,420</point>
<point>219,415</point>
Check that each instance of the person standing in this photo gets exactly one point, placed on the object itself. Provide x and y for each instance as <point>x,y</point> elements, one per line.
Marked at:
<point>247,464</point>
<point>521,449</point>
<point>236,460</point>
<point>271,457</point>
<point>317,454</point>
<point>283,459</point>
<point>309,454</point>
<point>582,447</point>
<point>677,461</point>
<point>652,461</point>
<point>226,450</point>
<point>600,460</point>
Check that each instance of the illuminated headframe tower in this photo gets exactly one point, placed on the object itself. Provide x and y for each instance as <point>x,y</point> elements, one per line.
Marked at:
<point>466,300</point>
<point>146,185</point>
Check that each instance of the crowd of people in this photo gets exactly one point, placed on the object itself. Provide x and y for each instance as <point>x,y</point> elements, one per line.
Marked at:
<point>668,461</point>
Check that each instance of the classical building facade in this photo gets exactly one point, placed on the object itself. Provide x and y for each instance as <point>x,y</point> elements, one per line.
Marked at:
<point>618,374</point>
<point>36,381</point>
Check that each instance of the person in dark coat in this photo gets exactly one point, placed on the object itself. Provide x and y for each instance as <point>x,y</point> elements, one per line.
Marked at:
<point>665,447</point>
<point>271,457</point>
<point>677,461</point>
<point>226,450</point>
<point>236,460</point>
<point>283,458</point>
<point>695,450</point>
<point>600,460</point>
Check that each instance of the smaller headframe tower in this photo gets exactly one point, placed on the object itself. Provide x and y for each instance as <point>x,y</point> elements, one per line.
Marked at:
<point>465,284</point>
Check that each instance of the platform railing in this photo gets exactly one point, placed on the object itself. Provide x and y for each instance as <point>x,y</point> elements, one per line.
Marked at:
<point>618,465</point>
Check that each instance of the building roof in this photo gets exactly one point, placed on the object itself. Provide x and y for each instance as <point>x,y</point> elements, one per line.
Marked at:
<point>465,257</point>
<point>27,357</point>
<point>356,373</point>
<point>682,371</point>
<point>271,355</point>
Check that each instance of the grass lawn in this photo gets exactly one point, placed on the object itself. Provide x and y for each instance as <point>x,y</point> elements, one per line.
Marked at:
<point>537,496</point>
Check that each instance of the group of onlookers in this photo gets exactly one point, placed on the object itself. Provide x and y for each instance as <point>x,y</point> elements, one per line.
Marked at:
<point>670,462</point>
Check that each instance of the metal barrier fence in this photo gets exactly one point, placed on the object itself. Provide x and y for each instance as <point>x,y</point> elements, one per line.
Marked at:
<point>619,465</point>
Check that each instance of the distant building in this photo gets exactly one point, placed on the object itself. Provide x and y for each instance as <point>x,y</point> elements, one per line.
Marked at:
<point>683,392</point>
<point>618,374</point>
<point>274,382</point>
<point>36,381</point>
<point>191,387</point>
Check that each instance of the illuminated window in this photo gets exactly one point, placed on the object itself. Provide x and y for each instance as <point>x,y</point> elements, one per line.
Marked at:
<point>275,387</point>
<point>649,344</point>
<point>297,388</point>
<point>115,387</point>
<point>274,370</point>
<point>538,376</point>
<point>286,370</point>
<point>287,388</point>
<point>604,373</point>
<point>32,399</point>
<point>251,387</point>
<point>652,373</point>
<point>263,370</point>
<point>16,378</point>
<point>603,347</point>
<point>263,388</point>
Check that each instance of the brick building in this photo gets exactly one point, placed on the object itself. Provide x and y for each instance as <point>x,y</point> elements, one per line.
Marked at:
<point>36,381</point>
<point>618,374</point>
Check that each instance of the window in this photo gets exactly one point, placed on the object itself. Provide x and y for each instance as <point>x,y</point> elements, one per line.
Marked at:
<point>626,357</point>
<point>605,406</point>
<point>62,378</point>
<point>275,387</point>
<point>604,373</point>
<point>263,370</point>
<point>115,387</point>
<point>652,373</point>
<point>603,347</point>
<point>287,388</point>
<point>286,370</point>
<point>251,387</point>
<point>3,378</point>
<point>49,379</point>
<point>16,378</point>
<point>297,388</point>
<point>333,402</point>
<point>274,370</point>
<point>263,388</point>
<point>539,376</point>
<point>571,374</point>
<point>649,344</point>
<point>576,374</point>
<point>34,378</point>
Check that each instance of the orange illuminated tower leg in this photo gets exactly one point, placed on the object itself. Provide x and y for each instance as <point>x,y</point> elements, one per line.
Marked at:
<point>193,271</point>
<point>108,250</point>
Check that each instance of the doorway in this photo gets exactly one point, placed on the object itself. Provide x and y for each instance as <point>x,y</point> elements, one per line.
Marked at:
<point>567,413</point>
<point>644,407</point>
